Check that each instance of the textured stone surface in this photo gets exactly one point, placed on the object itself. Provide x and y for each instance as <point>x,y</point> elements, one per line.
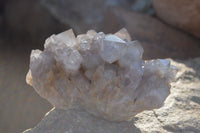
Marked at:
<point>76,121</point>
<point>180,114</point>
<point>183,14</point>
<point>158,39</point>
<point>102,73</point>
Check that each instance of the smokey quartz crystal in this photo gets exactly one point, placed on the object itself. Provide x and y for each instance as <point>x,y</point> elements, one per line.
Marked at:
<point>103,74</point>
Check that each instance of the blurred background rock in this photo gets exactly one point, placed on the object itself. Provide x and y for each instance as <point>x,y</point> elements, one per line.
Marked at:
<point>165,28</point>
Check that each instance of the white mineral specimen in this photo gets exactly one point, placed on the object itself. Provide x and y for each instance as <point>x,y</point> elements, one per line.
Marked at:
<point>103,74</point>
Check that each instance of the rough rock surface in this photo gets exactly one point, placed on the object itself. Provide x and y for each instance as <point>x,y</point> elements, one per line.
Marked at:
<point>75,121</point>
<point>183,14</point>
<point>158,39</point>
<point>180,113</point>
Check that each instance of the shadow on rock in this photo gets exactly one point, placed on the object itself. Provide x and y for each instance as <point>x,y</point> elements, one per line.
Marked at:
<point>77,121</point>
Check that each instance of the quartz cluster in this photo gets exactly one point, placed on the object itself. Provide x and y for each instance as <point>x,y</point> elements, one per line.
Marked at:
<point>104,74</point>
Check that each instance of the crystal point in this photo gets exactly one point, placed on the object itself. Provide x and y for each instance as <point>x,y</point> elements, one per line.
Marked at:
<point>102,74</point>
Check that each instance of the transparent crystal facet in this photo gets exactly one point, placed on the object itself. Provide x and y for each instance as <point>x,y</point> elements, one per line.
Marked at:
<point>103,74</point>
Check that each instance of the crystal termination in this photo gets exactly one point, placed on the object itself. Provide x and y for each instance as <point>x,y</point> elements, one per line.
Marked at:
<point>103,74</point>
